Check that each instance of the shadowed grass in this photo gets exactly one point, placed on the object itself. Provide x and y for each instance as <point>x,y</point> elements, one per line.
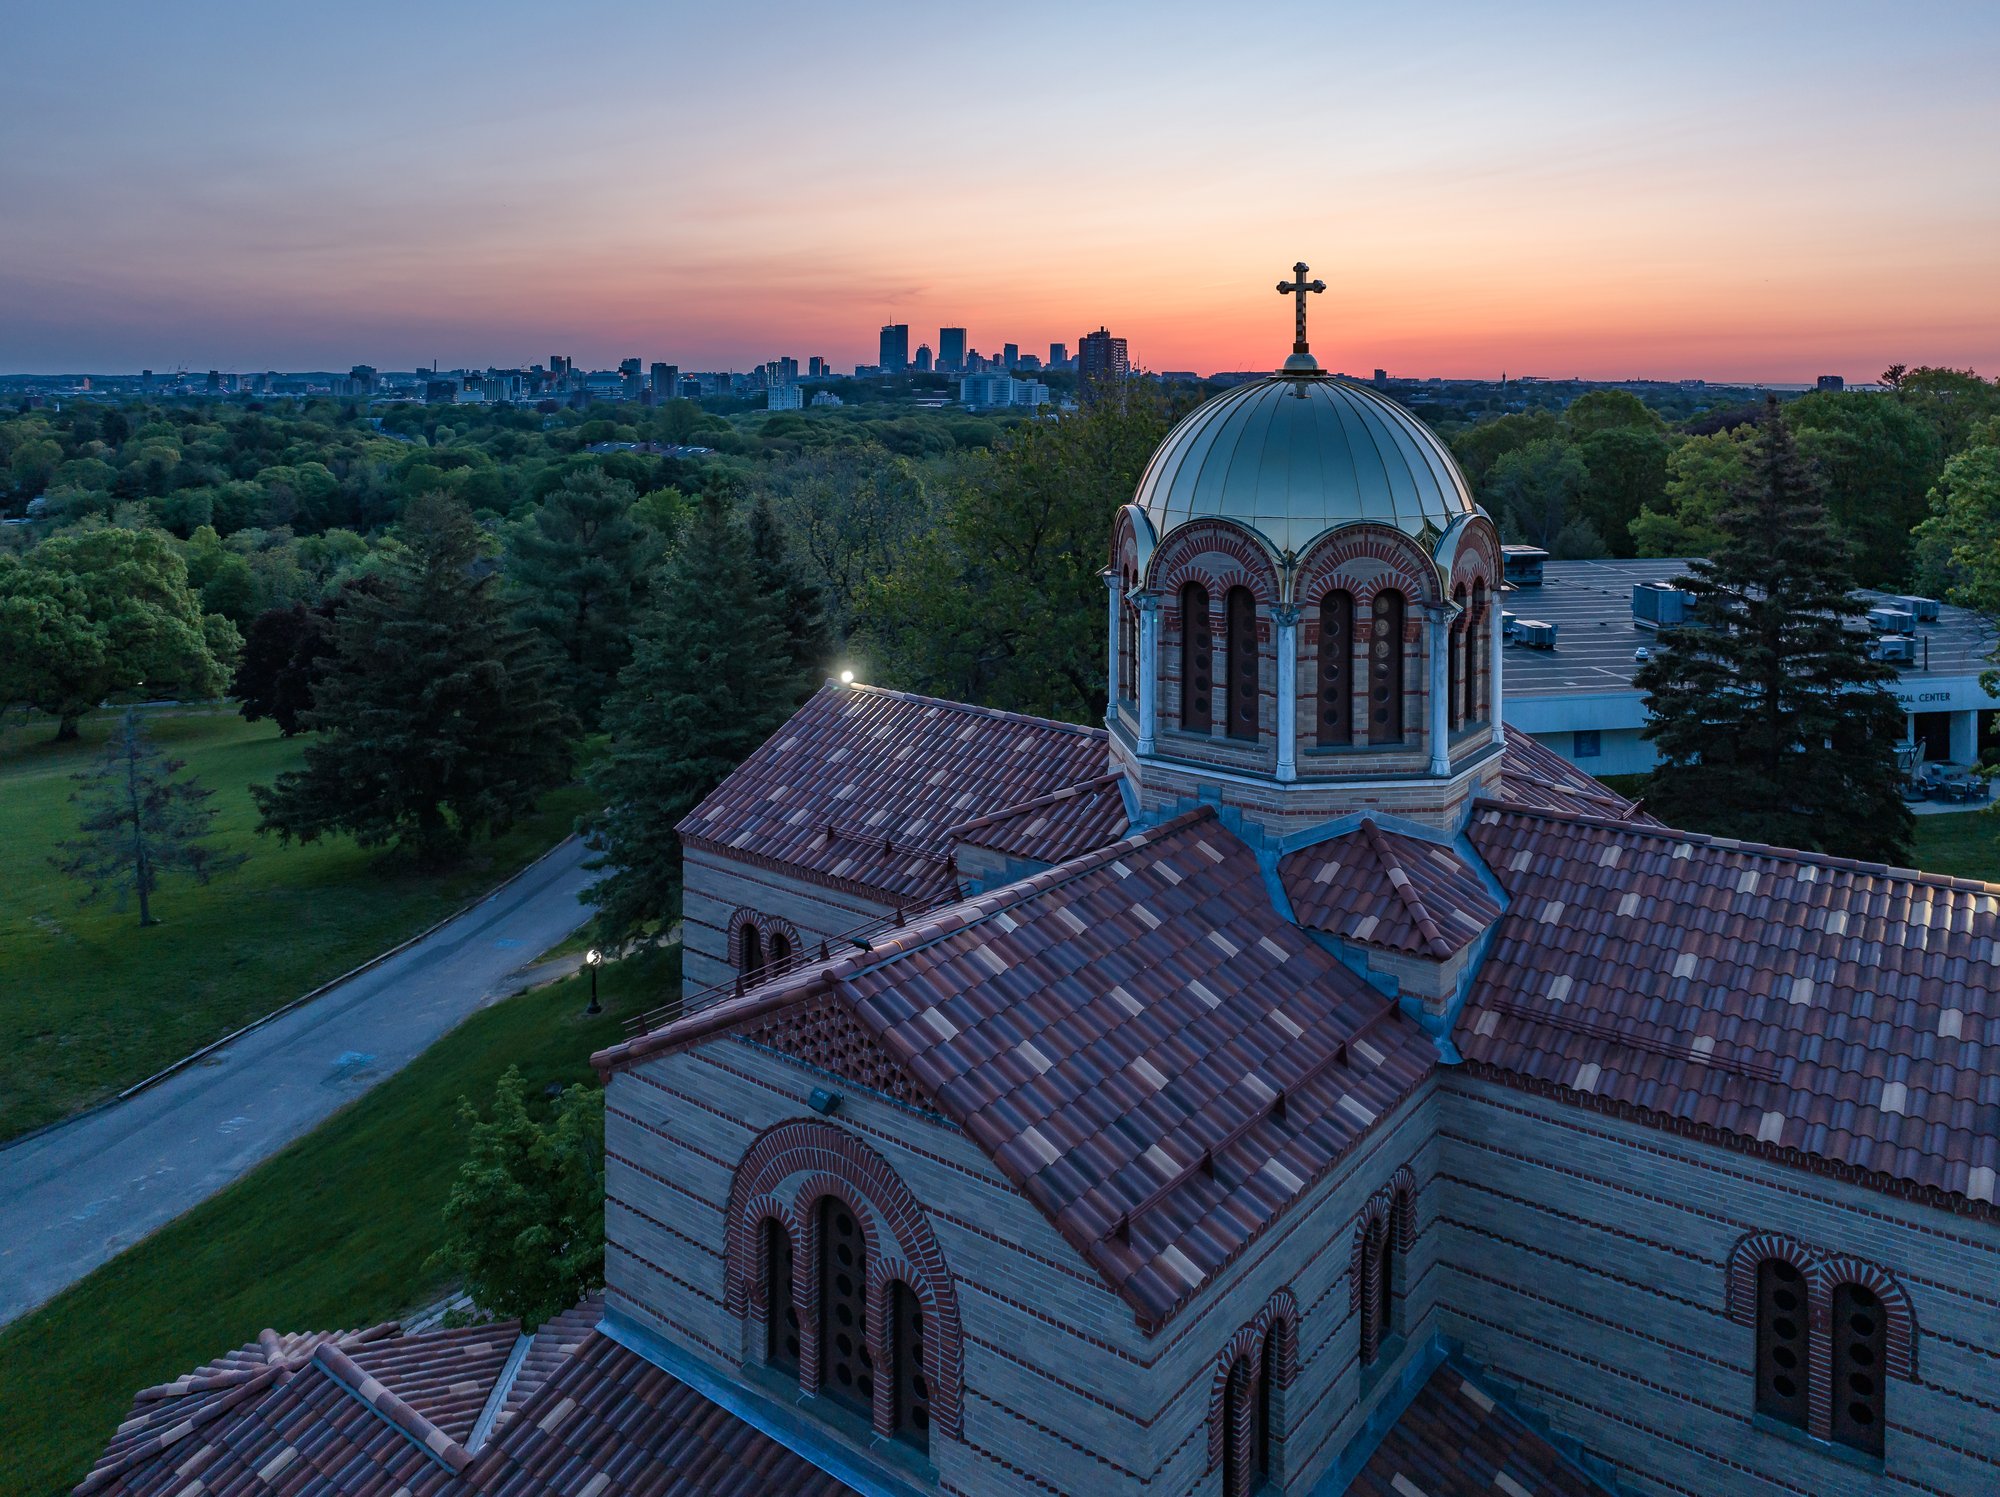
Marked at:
<point>91,1003</point>
<point>332,1232</point>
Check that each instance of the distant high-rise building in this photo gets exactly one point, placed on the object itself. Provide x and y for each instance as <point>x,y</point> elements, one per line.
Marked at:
<point>363,376</point>
<point>666,381</point>
<point>951,349</point>
<point>1010,355</point>
<point>1101,356</point>
<point>1381,376</point>
<point>215,381</point>
<point>895,347</point>
<point>782,397</point>
<point>1058,356</point>
<point>923,358</point>
<point>559,366</point>
<point>146,380</point>
<point>1030,363</point>
<point>818,368</point>
<point>1830,382</point>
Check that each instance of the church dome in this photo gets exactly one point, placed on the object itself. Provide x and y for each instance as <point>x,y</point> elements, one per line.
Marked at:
<point>1296,455</point>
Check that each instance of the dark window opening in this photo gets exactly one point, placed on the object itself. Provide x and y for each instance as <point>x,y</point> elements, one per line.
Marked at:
<point>781,1316</point>
<point>1265,1429</point>
<point>913,1394</point>
<point>1336,659</point>
<point>1238,1456</point>
<point>1478,657</point>
<point>1860,1350</point>
<point>1781,1342</point>
<point>1586,743</point>
<point>1197,660</point>
<point>1454,695</point>
<point>845,1369</point>
<point>1385,670</point>
<point>752,949</point>
<point>1241,615</point>
<point>781,952</point>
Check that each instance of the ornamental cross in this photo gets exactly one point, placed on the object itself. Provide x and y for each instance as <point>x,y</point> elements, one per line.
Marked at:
<point>1298,287</point>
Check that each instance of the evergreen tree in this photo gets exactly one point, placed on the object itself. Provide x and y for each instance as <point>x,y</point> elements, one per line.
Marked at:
<point>711,677</point>
<point>438,718</point>
<point>579,563</point>
<point>800,604</point>
<point>1772,721</point>
<point>139,821</point>
<point>525,1221</point>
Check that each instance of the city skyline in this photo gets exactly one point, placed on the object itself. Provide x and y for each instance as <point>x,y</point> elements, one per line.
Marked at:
<point>1752,199</point>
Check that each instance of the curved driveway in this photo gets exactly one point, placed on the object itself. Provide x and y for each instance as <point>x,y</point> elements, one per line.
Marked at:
<point>81,1193</point>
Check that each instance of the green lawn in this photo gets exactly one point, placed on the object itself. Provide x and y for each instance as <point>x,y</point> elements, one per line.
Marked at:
<point>91,1003</point>
<point>1964,843</point>
<point>333,1232</point>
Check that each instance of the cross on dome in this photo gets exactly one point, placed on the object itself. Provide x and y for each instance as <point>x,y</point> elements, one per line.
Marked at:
<point>1297,287</point>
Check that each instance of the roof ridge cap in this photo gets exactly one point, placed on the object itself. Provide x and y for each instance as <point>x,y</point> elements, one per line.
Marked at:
<point>378,1396</point>
<point>1759,849</point>
<point>1431,931</point>
<point>975,709</point>
<point>1034,802</point>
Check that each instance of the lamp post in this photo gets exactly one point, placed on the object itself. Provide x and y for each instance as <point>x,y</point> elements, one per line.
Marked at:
<point>593,959</point>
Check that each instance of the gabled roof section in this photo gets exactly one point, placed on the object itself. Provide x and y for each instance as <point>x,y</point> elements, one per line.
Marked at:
<point>861,785</point>
<point>1835,1014</point>
<point>1385,889</point>
<point>1535,776</point>
<point>1143,1045</point>
<point>1457,1440</point>
<point>1052,827</point>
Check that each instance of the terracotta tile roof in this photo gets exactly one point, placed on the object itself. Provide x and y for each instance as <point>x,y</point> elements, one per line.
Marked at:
<point>1456,1440</point>
<point>1052,827</point>
<point>1534,775</point>
<point>1157,1058</point>
<point>354,1414</point>
<point>1834,1013</point>
<point>611,1423</point>
<point>1387,889</point>
<point>886,774</point>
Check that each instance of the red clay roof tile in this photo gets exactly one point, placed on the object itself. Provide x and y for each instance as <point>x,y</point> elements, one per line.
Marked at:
<point>1388,889</point>
<point>1456,1440</point>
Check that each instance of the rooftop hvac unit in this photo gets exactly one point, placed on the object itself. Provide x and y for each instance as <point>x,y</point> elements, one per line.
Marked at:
<point>1892,620</point>
<point>1534,634</point>
<point>1659,605</point>
<point>1897,649</point>
<point>1507,623</point>
<point>1923,610</point>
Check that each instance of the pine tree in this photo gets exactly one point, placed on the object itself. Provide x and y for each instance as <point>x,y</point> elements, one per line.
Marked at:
<point>139,821</point>
<point>438,718</point>
<point>1772,721</point>
<point>579,563</point>
<point>711,677</point>
<point>800,603</point>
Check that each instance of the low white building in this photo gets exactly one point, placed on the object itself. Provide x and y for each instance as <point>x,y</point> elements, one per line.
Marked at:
<point>1575,692</point>
<point>782,398</point>
<point>987,390</point>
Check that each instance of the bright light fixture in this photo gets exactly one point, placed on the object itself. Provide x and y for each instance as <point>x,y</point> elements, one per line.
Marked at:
<point>592,957</point>
<point>847,678</point>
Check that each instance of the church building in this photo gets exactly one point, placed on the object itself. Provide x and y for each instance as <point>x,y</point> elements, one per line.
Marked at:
<point>1297,1085</point>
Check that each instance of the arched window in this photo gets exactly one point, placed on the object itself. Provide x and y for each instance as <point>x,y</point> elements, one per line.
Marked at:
<point>1264,1433</point>
<point>1128,640</point>
<point>1385,1285</point>
<point>1478,656</point>
<point>1385,670</point>
<point>912,1414</point>
<point>781,1316</point>
<point>1860,1352</point>
<point>1239,1441</point>
<point>752,950</point>
<point>1374,1288</point>
<point>1781,1341</point>
<point>1336,669</point>
<point>780,952</point>
<point>1455,669</point>
<point>1197,661</point>
<point>1240,611</point>
<point>845,1369</point>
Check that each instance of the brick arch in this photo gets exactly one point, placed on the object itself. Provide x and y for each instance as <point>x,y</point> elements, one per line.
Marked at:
<point>812,1190</point>
<point>1901,1320</point>
<point>768,1208</point>
<point>1280,1318</point>
<point>1471,551</point>
<point>1402,1193</point>
<point>839,1163</point>
<point>1740,1286</point>
<point>1374,1212</point>
<point>1365,559</point>
<point>767,926</point>
<point>1189,554</point>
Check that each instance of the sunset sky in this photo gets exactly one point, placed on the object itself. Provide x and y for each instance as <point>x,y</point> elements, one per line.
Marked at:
<point>1739,191</point>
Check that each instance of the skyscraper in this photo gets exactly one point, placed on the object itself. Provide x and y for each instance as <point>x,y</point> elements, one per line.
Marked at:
<point>1010,355</point>
<point>1058,356</point>
<point>1101,356</point>
<point>895,347</point>
<point>666,381</point>
<point>923,358</point>
<point>951,349</point>
<point>818,368</point>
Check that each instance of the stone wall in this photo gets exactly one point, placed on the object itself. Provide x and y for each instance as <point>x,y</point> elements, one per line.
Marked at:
<point>717,887</point>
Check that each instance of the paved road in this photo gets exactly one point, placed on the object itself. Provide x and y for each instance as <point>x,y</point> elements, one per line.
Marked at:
<point>75,1196</point>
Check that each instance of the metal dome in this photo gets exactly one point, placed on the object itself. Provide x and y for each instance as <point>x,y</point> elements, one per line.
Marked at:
<point>1292,457</point>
